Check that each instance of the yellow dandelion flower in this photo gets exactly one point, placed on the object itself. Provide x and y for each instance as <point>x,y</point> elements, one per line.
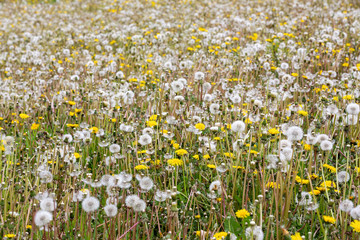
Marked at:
<point>141,167</point>
<point>301,181</point>
<point>181,152</point>
<point>238,167</point>
<point>243,213</point>
<point>274,131</point>
<point>253,152</point>
<point>201,233</point>
<point>331,168</point>
<point>272,185</point>
<point>175,162</point>
<point>307,147</point>
<point>328,184</point>
<point>35,126</point>
<point>11,235</point>
<point>229,154</point>
<point>24,116</point>
<point>355,225</point>
<point>207,156</point>
<point>94,129</point>
<point>315,192</point>
<point>220,235</point>
<point>248,121</point>
<point>314,176</point>
<point>296,236</point>
<point>151,123</point>
<point>156,162</point>
<point>329,219</point>
<point>153,117</point>
<point>72,125</point>
<point>348,97</point>
<point>196,157</point>
<point>200,126</point>
<point>303,113</point>
<point>85,190</point>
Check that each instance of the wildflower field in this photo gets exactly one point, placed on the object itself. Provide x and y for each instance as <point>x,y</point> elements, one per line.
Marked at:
<point>159,119</point>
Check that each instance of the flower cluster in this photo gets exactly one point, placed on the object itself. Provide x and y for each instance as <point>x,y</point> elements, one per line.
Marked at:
<point>208,119</point>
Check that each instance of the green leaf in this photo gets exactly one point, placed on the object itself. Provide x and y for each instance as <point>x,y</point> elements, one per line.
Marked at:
<point>232,225</point>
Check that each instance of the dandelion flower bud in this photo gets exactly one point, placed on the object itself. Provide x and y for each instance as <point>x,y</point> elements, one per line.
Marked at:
<point>146,183</point>
<point>161,196</point>
<point>114,148</point>
<point>208,97</point>
<point>67,138</point>
<point>235,98</point>
<point>90,204</point>
<point>46,176</point>
<point>255,233</point>
<point>322,137</point>
<point>306,199</point>
<point>332,109</point>
<point>130,200</point>
<point>353,109</point>
<point>312,206</point>
<point>238,126</point>
<point>199,76</point>
<point>355,212</point>
<point>120,74</point>
<point>284,66</point>
<point>346,205</point>
<point>222,168</point>
<point>216,185</point>
<point>326,145</point>
<point>177,86</point>
<point>110,210</point>
<point>139,206</point>
<point>285,143</point>
<point>42,218</point>
<point>343,177</point>
<point>48,204</point>
<point>286,154</point>
<point>214,108</point>
<point>107,180</point>
<point>294,133</point>
<point>148,131</point>
<point>145,139</point>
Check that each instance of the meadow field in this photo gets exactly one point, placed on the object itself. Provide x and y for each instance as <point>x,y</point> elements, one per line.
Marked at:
<point>187,119</point>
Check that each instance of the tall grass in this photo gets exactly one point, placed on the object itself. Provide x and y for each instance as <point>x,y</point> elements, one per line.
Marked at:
<point>94,90</point>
